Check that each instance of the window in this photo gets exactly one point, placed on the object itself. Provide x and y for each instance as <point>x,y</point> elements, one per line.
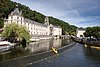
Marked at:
<point>28,24</point>
<point>11,21</point>
<point>11,17</point>
<point>21,22</point>
<point>17,17</point>
<point>21,19</point>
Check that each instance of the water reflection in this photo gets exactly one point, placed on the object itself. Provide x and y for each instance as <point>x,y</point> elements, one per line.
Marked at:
<point>44,45</point>
<point>32,48</point>
<point>93,54</point>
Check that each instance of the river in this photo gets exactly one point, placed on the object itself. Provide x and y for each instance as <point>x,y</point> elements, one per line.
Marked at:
<point>77,56</point>
<point>39,54</point>
<point>33,48</point>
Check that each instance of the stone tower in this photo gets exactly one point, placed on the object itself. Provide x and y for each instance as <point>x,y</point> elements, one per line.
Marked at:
<point>46,22</point>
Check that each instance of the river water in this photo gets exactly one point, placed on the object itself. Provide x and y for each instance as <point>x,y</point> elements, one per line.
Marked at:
<point>38,54</point>
<point>77,56</point>
<point>33,48</point>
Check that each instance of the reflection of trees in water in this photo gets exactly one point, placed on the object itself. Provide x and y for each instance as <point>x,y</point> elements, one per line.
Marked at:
<point>93,54</point>
<point>23,43</point>
<point>34,47</point>
<point>55,43</point>
<point>16,52</point>
<point>44,45</point>
<point>66,42</point>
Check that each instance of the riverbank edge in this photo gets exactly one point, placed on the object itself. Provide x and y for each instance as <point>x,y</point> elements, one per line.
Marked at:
<point>94,47</point>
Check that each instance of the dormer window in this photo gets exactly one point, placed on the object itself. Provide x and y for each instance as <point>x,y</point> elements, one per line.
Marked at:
<point>21,22</point>
<point>21,19</point>
<point>17,17</point>
<point>11,17</point>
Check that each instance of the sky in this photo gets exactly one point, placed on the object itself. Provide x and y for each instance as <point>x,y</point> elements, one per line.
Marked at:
<point>81,13</point>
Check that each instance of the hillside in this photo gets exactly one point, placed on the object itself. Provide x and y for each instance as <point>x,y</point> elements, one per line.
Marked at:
<point>6,6</point>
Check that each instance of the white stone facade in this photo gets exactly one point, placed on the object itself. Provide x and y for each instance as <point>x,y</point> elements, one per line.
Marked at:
<point>33,27</point>
<point>80,32</point>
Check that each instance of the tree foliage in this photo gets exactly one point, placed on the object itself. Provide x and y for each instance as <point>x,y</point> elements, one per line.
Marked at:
<point>71,29</point>
<point>14,32</point>
<point>1,22</point>
<point>93,31</point>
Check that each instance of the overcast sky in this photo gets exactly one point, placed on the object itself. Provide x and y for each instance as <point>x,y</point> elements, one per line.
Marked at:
<point>81,13</point>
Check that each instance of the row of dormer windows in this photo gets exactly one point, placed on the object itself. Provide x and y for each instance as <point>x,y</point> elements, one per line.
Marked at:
<point>18,18</point>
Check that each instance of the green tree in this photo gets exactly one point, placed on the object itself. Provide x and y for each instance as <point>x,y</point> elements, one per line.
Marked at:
<point>92,31</point>
<point>14,32</point>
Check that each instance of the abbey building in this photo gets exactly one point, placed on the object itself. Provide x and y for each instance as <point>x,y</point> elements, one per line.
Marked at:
<point>33,27</point>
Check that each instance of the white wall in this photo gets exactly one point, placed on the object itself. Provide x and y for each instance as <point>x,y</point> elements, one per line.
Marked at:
<point>79,32</point>
<point>57,31</point>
